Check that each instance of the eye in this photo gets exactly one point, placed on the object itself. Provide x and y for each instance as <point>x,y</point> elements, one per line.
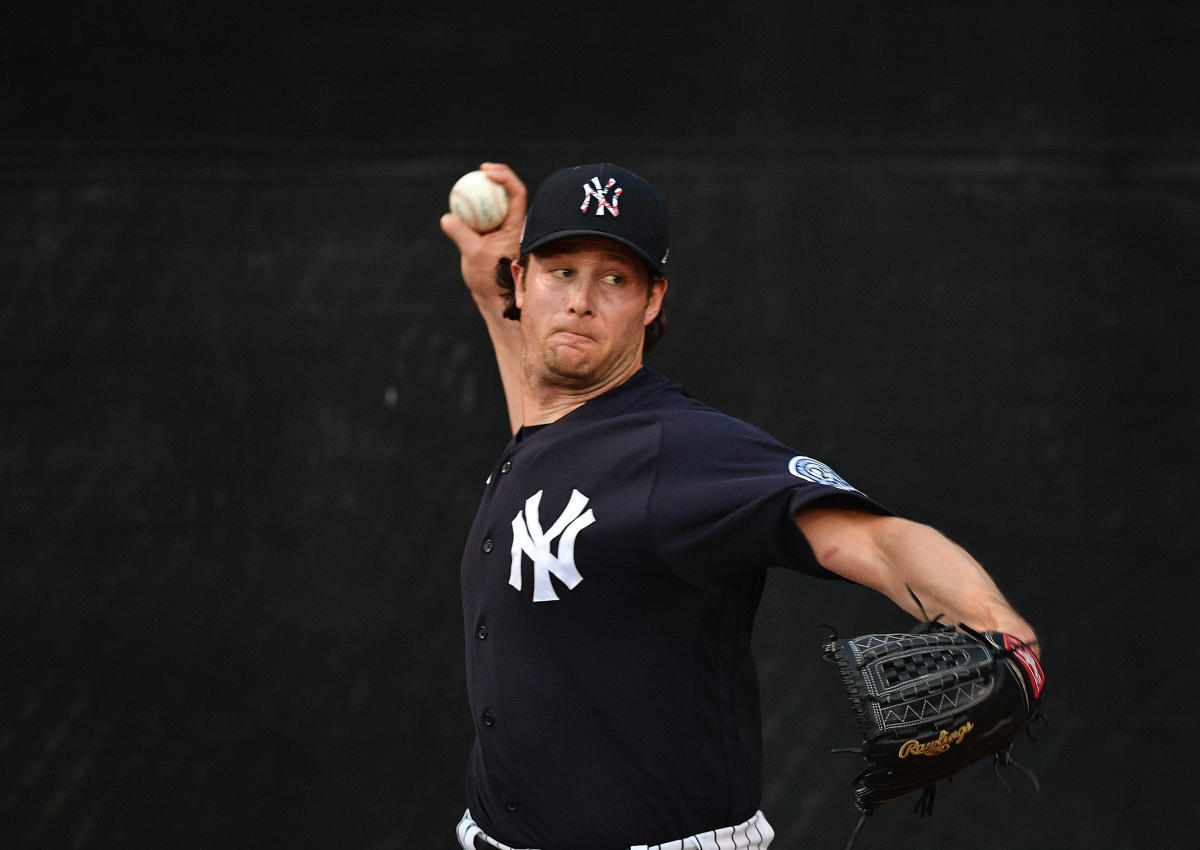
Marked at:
<point>562,274</point>
<point>614,279</point>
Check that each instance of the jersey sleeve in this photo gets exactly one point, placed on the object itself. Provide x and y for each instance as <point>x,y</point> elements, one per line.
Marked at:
<point>725,497</point>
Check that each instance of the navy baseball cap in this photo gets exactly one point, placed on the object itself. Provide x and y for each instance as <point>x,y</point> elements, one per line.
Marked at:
<point>599,200</point>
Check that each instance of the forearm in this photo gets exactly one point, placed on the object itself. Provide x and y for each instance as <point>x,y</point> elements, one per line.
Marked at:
<point>505,335</point>
<point>946,579</point>
<point>479,256</point>
<point>903,559</point>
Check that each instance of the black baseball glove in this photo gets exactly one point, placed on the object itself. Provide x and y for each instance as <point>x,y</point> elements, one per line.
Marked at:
<point>931,702</point>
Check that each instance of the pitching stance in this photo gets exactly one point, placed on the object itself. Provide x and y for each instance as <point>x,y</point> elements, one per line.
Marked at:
<point>613,570</point>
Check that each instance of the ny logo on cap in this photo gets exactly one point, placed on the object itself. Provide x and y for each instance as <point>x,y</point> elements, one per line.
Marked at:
<point>593,190</point>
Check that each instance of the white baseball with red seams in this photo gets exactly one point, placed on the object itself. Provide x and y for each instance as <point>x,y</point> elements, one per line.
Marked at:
<point>479,201</point>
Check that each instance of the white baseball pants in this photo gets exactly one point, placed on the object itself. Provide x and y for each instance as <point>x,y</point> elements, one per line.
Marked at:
<point>754,834</point>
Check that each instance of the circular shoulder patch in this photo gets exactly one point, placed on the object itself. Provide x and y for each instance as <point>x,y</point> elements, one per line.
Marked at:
<point>816,472</point>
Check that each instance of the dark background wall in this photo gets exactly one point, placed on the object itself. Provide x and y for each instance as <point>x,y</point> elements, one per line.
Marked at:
<point>246,407</point>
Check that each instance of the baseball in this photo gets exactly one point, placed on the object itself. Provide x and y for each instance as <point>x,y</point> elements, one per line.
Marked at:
<point>479,201</point>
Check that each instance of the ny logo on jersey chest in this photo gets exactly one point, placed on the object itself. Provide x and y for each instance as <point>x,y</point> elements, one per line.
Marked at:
<point>530,539</point>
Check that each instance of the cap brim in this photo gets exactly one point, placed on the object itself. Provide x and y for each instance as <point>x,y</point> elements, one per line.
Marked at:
<point>546,239</point>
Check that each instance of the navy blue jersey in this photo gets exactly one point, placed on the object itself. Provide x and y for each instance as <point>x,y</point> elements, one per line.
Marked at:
<point>610,582</point>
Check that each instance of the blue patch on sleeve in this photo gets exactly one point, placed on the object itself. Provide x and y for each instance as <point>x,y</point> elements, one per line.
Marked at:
<point>816,472</point>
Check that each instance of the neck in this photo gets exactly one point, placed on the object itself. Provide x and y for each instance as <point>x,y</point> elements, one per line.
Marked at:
<point>546,398</point>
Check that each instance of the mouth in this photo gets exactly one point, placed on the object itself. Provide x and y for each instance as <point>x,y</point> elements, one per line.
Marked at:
<point>572,336</point>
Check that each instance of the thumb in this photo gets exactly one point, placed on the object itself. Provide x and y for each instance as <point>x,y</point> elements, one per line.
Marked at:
<point>460,233</point>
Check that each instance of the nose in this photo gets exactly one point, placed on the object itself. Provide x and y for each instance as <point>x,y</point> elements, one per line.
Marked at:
<point>579,299</point>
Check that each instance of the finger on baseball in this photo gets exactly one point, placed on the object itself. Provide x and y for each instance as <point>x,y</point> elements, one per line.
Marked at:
<point>506,177</point>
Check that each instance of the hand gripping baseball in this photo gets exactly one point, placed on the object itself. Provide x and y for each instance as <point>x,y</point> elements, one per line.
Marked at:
<point>480,252</point>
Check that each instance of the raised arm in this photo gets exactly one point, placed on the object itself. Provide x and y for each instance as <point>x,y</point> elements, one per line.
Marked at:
<point>480,254</point>
<point>893,555</point>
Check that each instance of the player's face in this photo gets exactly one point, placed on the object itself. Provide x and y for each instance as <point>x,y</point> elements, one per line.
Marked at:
<point>585,303</point>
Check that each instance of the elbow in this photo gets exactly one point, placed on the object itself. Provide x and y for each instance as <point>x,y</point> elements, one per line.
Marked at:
<point>828,556</point>
<point>857,559</point>
<point>847,543</point>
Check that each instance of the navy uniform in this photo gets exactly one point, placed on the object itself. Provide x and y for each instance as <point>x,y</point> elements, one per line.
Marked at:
<point>609,584</point>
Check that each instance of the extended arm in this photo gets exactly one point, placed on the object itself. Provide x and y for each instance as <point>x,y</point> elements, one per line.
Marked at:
<point>893,555</point>
<point>480,253</point>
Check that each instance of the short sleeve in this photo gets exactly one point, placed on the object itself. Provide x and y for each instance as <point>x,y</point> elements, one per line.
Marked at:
<point>725,497</point>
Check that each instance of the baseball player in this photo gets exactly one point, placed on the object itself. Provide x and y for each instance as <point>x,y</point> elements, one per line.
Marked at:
<point>612,573</point>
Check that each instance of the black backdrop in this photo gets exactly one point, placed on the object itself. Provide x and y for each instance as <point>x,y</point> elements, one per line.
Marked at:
<point>246,406</point>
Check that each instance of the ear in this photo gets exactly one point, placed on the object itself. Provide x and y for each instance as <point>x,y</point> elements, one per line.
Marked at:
<point>518,276</point>
<point>654,300</point>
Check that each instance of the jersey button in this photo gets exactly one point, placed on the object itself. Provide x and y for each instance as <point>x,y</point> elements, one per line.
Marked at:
<point>512,804</point>
<point>489,719</point>
<point>482,633</point>
<point>488,546</point>
<point>505,467</point>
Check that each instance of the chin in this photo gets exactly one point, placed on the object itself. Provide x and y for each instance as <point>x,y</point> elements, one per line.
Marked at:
<point>568,376</point>
<point>570,363</point>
